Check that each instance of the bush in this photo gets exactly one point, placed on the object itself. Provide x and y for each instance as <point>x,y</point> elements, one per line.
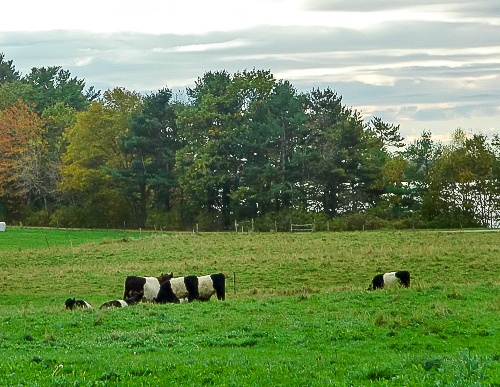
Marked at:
<point>337,224</point>
<point>39,218</point>
<point>169,221</point>
<point>69,216</point>
<point>365,221</point>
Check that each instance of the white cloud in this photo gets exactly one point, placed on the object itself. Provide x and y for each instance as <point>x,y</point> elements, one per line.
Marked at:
<point>84,61</point>
<point>478,82</point>
<point>211,46</point>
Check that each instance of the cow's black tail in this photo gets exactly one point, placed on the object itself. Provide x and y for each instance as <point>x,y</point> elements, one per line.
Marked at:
<point>219,281</point>
<point>404,277</point>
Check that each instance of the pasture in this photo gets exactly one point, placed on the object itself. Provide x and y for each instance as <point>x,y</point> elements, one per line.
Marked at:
<point>299,315</point>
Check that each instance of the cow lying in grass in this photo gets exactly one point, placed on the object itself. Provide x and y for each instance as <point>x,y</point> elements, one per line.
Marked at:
<point>192,288</point>
<point>388,280</point>
<point>147,286</point>
<point>123,303</point>
<point>72,303</point>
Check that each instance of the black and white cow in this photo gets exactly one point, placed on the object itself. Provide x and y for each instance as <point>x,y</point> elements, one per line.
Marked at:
<point>147,286</point>
<point>388,280</point>
<point>72,303</point>
<point>192,288</point>
<point>123,303</point>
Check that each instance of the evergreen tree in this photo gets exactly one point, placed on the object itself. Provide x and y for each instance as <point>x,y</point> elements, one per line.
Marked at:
<point>8,71</point>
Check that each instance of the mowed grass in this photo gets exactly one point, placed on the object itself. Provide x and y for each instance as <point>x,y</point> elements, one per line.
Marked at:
<point>299,314</point>
<point>16,238</point>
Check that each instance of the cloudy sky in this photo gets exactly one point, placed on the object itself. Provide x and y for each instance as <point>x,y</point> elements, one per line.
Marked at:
<point>423,64</point>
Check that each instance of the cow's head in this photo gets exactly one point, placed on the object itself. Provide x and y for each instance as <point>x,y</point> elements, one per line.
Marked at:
<point>165,277</point>
<point>70,302</point>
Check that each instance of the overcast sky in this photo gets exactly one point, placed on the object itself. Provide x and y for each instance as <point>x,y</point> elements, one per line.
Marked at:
<point>423,64</point>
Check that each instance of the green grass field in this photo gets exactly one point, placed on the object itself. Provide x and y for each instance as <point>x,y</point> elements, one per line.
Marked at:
<point>33,238</point>
<point>299,314</point>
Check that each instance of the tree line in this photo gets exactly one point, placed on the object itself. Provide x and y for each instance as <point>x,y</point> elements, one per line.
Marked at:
<point>235,148</point>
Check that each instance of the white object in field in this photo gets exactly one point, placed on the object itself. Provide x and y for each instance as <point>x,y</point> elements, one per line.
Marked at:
<point>2,226</point>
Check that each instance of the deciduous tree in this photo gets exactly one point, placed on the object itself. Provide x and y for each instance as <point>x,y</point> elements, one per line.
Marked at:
<point>12,92</point>
<point>93,150</point>
<point>21,149</point>
<point>463,190</point>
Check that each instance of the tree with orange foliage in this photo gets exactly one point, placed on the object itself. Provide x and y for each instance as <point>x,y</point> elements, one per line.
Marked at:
<point>21,147</point>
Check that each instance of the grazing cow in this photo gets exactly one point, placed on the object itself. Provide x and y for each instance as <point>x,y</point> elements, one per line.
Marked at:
<point>123,303</point>
<point>389,279</point>
<point>71,304</point>
<point>148,286</point>
<point>192,288</point>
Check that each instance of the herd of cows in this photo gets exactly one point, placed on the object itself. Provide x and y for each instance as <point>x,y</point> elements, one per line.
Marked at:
<point>167,289</point>
<point>163,289</point>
